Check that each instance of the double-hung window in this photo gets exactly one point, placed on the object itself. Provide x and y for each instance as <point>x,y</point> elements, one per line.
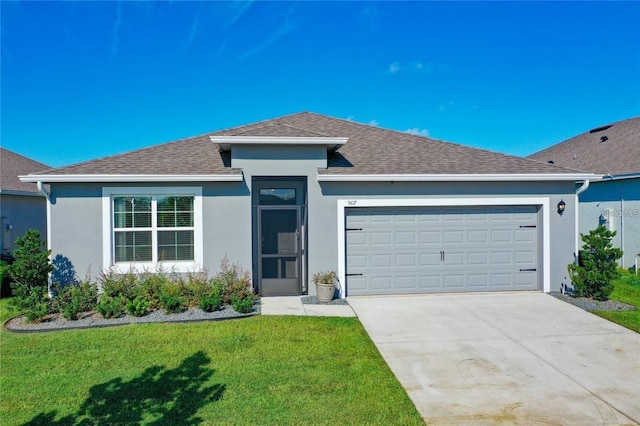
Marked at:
<point>153,225</point>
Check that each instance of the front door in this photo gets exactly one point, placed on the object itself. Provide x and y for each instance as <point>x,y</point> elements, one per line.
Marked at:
<point>279,258</point>
<point>279,241</point>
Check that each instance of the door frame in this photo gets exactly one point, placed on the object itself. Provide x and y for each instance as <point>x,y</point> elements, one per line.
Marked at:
<point>300,184</point>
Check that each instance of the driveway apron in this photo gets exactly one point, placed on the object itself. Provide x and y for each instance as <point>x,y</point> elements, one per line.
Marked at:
<point>511,358</point>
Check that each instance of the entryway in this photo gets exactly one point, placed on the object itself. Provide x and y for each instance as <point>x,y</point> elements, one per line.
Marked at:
<point>279,240</point>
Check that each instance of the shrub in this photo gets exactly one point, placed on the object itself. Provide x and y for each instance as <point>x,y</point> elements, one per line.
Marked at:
<point>171,298</point>
<point>242,305</point>
<point>196,286</point>
<point>116,284</point>
<point>210,302</point>
<point>138,307</point>
<point>111,306</point>
<point>30,274</point>
<point>230,280</point>
<point>149,287</point>
<point>71,300</point>
<point>599,267</point>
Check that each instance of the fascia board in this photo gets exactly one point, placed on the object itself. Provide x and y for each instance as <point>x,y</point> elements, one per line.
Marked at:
<point>456,177</point>
<point>225,142</point>
<point>131,178</point>
<point>20,193</point>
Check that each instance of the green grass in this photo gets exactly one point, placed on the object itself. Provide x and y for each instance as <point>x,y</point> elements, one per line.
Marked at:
<point>260,370</point>
<point>627,290</point>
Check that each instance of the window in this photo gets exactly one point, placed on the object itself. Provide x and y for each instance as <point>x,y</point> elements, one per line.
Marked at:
<point>157,225</point>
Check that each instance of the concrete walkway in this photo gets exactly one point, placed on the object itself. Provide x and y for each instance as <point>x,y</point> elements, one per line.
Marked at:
<point>508,358</point>
<point>292,305</point>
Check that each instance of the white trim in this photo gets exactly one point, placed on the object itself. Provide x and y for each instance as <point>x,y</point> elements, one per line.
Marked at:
<point>20,193</point>
<point>177,266</point>
<point>132,178</point>
<point>454,177</point>
<point>225,142</point>
<point>607,178</point>
<point>543,202</point>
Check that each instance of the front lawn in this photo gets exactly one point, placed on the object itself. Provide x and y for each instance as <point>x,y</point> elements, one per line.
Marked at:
<point>260,370</point>
<point>627,290</point>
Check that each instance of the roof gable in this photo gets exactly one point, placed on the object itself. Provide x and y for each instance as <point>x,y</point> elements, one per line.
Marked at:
<point>613,149</point>
<point>370,150</point>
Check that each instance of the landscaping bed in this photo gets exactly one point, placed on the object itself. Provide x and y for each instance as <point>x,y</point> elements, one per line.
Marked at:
<point>592,305</point>
<point>53,322</point>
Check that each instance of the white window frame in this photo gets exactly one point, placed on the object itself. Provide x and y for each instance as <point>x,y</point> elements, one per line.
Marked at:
<point>108,246</point>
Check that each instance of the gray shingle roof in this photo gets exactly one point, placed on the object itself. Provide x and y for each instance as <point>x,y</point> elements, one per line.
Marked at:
<point>13,165</point>
<point>612,149</point>
<point>369,150</point>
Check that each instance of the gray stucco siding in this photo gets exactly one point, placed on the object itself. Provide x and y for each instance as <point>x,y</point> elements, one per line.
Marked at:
<point>18,214</point>
<point>76,212</point>
<point>616,204</point>
<point>76,226</point>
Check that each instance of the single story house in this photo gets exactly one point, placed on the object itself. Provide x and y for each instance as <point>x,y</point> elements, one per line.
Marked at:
<point>22,205</point>
<point>612,151</point>
<point>390,212</point>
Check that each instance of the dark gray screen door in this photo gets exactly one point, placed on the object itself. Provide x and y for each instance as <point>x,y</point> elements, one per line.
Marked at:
<point>279,207</point>
<point>279,250</point>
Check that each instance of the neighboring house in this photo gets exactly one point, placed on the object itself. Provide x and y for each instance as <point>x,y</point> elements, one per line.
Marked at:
<point>22,205</point>
<point>614,200</point>
<point>391,212</point>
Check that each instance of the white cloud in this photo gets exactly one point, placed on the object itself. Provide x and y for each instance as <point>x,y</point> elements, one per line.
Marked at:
<point>369,17</point>
<point>417,131</point>
<point>239,8</point>
<point>394,67</point>
<point>283,30</point>
<point>116,32</point>
<point>373,123</point>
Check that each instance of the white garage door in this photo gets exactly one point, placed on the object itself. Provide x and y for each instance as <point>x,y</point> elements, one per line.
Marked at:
<point>438,250</point>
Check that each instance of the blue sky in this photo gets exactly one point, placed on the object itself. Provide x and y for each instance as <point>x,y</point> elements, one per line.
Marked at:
<point>82,80</point>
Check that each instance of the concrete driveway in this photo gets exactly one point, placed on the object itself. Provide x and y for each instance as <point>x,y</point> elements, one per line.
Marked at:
<point>510,358</point>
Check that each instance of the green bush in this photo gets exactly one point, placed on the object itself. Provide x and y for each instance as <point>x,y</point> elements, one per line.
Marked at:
<point>116,284</point>
<point>171,298</point>
<point>242,305</point>
<point>231,280</point>
<point>74,299</point>
<point>149,287</point>
<point>210,302</point>
<point>593,278</point>
<point>111,306</point>
<point>138,307</point>
<point>30,274</point>
<point>195,286</point>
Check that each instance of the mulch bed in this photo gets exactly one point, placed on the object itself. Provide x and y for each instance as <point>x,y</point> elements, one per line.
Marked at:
<point>591,305</point>
<point>54,322</point>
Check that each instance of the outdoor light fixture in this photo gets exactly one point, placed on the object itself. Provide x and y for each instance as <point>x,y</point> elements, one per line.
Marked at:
<point>561,206</point>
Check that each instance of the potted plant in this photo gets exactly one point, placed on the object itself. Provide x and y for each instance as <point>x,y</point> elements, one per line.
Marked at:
<point>325,285</point>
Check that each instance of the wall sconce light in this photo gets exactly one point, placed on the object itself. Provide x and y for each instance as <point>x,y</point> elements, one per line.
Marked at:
<point>561,206</point>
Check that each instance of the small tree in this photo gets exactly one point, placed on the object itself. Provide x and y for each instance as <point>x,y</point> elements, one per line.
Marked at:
<point>599,267</point>
<point>30,273</point>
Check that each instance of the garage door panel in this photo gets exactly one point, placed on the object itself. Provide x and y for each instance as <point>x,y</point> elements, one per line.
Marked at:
<point>478,259</point>
<point>406,237</point>
<point>454,281</point>
<point>477,236</point>
<point>428,250</point>
<point>478,280</point>
<point>430,237</point>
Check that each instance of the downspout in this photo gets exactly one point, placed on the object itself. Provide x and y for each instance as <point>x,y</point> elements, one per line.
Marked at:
<point>583,187</point>
<point>47,196</point>
<point>43,191</point>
